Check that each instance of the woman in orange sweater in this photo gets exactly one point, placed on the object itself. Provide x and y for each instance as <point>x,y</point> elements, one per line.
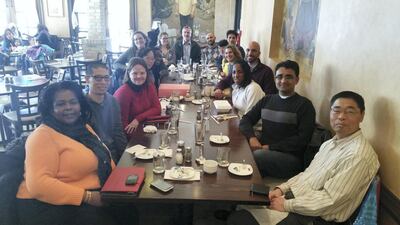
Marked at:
<point>66,163</point>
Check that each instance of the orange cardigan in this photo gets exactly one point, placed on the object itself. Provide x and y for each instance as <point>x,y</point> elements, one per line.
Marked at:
<point>58,169</point>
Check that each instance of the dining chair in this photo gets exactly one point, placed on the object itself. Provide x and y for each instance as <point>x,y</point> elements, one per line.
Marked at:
<point>82,66</point>
<point>40,68</point>
<point>5,69</point>
<point>24,106</point>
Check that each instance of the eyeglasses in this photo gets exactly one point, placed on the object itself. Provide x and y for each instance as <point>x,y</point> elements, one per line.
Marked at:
<point>347,111</point>
<point>100,78</point>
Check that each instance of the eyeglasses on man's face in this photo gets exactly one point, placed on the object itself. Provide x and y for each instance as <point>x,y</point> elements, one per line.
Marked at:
<point>100,78</point>
<point>347,111</point>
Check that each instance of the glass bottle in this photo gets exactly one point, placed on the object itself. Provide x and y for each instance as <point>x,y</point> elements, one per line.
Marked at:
<point>179,157</point>
<point>199,129</point>
<point>188,155</point>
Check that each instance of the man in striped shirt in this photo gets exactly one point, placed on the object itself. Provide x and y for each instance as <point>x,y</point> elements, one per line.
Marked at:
<point>333,186</point>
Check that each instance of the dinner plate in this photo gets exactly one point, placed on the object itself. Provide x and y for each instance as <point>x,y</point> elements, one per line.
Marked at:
<point>240,169</point>
<point>182,173</point>
<point>197,101</point>
<point>145,153</point>
<point>218,139</point>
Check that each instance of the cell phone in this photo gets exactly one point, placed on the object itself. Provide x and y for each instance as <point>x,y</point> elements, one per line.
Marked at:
<point>162,185</point>
<point>259,189</point>
<point>131,179</point>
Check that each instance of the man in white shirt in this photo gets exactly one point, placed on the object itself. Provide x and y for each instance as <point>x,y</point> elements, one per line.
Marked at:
<point>186,49</point>
<point>333,186</point>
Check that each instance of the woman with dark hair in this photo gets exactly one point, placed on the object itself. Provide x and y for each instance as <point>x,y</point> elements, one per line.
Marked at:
<point>9,42</point>
<point>167,53</point>
<point>154,63</point>
<point>246,93</point>
<point>137,96</point>
<point>66,163</point>
<point>43,35</point>
<point>139,41</point>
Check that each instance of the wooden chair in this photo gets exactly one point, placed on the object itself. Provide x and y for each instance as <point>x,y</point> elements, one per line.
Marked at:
<point>24,105</point>
<point>5,69</point>
<point>82,66</point>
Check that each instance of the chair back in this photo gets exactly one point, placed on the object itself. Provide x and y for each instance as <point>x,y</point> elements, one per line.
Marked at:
<point>82,67</point>
<point>367,214</point>
<point>320,135</point>
<point>40,68</point>
<point>25,101</point>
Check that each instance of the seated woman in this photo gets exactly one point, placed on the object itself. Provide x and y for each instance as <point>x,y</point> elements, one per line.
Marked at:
<point>231,54</point>
<point>66,163</point>
<point>40,51</point>
<point>156,67</point>
<point>168,53</point>
<point>246,93</point>
<point>137,96</point>
<point>9,42</point>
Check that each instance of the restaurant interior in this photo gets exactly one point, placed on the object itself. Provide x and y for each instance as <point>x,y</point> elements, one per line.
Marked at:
<point>340,45</point>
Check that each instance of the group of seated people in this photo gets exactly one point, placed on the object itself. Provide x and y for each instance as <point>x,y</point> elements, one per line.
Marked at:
<point>71,154</point>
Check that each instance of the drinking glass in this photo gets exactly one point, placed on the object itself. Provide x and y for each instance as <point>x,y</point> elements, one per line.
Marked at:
<point>223,157</point>
<point>158,162</point>
<point>164,139</point>
<point>173,129</point>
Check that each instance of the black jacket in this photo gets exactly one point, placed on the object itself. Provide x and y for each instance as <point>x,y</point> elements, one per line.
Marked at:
<point>195,51</point>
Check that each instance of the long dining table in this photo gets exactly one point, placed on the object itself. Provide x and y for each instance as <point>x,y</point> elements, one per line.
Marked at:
<point>223,186</point>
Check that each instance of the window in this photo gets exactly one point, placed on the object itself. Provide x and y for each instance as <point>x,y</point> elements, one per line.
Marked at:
<point>3,18</point>
<point>26,16</point>
<point>118,24</point>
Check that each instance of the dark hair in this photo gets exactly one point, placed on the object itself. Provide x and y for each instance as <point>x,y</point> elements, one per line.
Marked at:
<point>133,62</point>
<point>351,95</point>
<point>96,65</point>
<point>223,43</point>
<point>289,64</point>
<point>231,32</point>
<point>146,39</point>
<point>5,33</point>
<point>246,72</point>
<point>186,27</point>
<point>159,40</point>
<point>48,95</point>
<point>143,52</point>
<point>41,27</point>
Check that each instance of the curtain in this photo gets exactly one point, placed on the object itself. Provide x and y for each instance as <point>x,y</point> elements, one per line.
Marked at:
<point>40,11</point>
<point>132,15</point>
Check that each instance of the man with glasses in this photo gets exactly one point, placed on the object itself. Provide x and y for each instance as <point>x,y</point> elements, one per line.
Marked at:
<point>106,115</point>
<point>333,186</point>
<point>288,121</point>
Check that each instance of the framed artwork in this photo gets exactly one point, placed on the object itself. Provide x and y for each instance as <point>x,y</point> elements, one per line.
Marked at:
<point>55,8</point>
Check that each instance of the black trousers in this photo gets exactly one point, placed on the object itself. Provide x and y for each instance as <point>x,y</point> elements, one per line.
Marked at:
<point>245,217</point>
<point>34,212</point>
<point>186,21</point>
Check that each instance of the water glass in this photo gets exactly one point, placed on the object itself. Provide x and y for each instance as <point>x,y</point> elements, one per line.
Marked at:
<point>223,157</point>
<point>164,140</point>
<point>158,162</point>
<point>173,129</point>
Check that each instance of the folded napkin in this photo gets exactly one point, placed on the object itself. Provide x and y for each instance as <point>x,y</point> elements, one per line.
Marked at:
<point>150,129</point>
<point>167,152</point>
<point>168,176</point>
<point>135,148</point>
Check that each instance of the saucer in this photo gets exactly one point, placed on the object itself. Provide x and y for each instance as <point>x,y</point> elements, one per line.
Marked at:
<point>240,169</point>
<point>182,173</point>
<point>218,139</point>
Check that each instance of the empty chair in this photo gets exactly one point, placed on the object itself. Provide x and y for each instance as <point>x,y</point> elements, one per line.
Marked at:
<point>24,103</point>
<point>40,68</point>
<point>4,69</point>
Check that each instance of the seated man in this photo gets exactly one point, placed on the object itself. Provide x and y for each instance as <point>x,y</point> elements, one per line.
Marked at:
<point>106,115</point>
<point>333,186</point>
<point>260,73</point>
<point>186,49</point>
<point>211,50</point>
<point>232,37</point>
<point>288,121</point>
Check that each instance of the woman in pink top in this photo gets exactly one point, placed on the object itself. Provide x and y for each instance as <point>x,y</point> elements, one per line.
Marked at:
<point>137,97</point>
<point>66,163</point>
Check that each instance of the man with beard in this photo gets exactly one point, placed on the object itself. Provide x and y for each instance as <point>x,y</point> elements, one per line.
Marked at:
<point>210,52</point>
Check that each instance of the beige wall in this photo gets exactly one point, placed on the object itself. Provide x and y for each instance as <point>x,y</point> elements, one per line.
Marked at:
<point>357,49</point>
<point>144,15</point>
<point>57,25</point>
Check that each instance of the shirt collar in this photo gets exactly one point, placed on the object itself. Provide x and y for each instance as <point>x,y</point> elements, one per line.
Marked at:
<point>338,141</point>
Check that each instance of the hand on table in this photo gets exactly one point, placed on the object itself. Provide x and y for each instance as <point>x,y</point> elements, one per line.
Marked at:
<point>132,126</point>
<point>278,204</point>
<point>276,193</point>
<point>218,94</point>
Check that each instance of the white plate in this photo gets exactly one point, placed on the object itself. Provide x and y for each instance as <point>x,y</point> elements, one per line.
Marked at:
<point>145,153</point>
<point>182,173</point>
<point>218,139</point>
<point>197,101</point>
<point>188,77</point>
<point>240,169</point>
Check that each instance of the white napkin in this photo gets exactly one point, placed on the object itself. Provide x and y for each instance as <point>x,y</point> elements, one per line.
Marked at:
<point>168,176</point>
<point>150,129</point>
<point>134,148</point>
<point>167,152</point>
<point>172,68</point>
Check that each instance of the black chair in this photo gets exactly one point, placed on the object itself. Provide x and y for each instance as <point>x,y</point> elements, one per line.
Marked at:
<point>82,66</point>
<point>320,135</point>
<point>4,68</point>
<point>40,68</point>
<point>24,105</point>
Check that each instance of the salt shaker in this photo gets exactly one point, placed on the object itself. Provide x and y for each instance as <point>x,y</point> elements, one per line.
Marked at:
<point>179,156</point>
<point>188,155</point>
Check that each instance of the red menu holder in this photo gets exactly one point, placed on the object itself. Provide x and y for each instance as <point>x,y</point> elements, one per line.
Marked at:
<point>115,186</point>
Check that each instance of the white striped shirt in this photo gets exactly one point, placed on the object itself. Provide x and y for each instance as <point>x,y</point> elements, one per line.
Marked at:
<point>336,181</point>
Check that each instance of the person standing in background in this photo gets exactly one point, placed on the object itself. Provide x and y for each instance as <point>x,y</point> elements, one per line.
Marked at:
<point>185,10</point>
